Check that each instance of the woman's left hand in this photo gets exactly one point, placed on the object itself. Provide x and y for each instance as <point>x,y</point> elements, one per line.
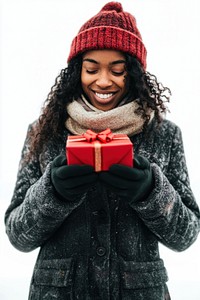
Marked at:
<point>131,183</point>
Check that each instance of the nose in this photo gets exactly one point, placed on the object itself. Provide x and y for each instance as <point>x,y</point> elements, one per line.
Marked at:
<point>104,80</point>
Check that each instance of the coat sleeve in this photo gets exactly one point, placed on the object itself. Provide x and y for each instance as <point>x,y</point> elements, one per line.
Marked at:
<point>171,211</point>
<point>35,212</point>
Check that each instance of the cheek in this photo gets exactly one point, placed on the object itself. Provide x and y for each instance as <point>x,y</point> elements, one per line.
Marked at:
<point>85,81</point>
<point>84,85</point>
<point>122,83</point>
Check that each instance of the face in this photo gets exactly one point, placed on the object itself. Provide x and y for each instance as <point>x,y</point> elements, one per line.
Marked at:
<point>103,78</point>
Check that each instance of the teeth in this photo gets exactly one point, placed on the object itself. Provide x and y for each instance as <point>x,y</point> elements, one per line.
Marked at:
<point>104,96</point>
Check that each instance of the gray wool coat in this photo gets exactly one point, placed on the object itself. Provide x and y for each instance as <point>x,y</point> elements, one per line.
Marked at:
<point>98,246</point>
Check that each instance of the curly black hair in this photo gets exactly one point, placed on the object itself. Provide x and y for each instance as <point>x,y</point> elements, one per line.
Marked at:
<point>140,84</point>
<point>145,87</point>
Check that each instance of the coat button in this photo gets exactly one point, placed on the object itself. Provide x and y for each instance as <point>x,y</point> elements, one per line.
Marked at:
<point>101,251</point>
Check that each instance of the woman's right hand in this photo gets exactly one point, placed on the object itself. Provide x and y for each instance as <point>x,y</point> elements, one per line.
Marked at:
<point>71,180</point>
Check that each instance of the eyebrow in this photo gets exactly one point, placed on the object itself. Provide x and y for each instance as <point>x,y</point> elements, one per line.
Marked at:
<point>120,61</point>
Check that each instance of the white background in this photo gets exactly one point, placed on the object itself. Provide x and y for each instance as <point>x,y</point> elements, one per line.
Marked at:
<point>35,40</point>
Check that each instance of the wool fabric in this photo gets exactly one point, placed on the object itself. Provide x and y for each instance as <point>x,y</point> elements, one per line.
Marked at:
<point>121,120</point>
<point>72,235</point>
<point>112,28</point>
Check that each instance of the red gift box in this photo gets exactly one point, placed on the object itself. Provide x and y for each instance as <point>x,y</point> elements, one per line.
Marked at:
<point>99,150</point>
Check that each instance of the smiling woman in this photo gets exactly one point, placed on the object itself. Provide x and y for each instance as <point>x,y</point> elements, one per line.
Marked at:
<point>99,232</point>
<point>103,78</point>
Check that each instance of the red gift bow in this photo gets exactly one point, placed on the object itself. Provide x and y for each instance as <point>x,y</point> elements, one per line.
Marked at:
<point>104,136</point>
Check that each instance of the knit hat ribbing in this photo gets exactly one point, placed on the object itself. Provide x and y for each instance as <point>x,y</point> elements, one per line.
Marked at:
<point>111,28</point>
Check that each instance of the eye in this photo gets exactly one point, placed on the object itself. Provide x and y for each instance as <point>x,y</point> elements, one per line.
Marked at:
<point>91,71</point>
<point>118,73</point>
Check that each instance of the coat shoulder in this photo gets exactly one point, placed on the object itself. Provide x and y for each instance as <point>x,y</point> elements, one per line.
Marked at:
<point>168,128</point>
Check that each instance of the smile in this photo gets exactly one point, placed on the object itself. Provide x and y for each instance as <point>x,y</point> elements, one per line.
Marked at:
<point>104,96</point>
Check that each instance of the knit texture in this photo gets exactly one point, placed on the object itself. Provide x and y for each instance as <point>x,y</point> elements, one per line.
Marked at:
<point>112,28</point>
<point>122,119</point>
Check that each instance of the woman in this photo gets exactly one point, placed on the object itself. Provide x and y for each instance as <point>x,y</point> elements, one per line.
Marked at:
<point>98,233</point>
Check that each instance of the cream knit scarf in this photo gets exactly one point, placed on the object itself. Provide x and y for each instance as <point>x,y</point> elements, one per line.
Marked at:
<point>121,119</point>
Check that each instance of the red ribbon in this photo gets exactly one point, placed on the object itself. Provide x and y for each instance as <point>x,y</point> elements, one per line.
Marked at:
<point>104,136</point>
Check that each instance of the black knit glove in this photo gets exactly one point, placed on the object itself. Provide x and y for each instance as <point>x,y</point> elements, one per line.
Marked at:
<point>73,180</point>
<point>132,184</point>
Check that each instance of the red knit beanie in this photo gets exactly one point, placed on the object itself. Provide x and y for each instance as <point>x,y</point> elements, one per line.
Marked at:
<point>111,28</point>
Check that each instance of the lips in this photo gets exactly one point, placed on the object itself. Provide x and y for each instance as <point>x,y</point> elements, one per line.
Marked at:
<point>103,99</point>
<point>104,96</point>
